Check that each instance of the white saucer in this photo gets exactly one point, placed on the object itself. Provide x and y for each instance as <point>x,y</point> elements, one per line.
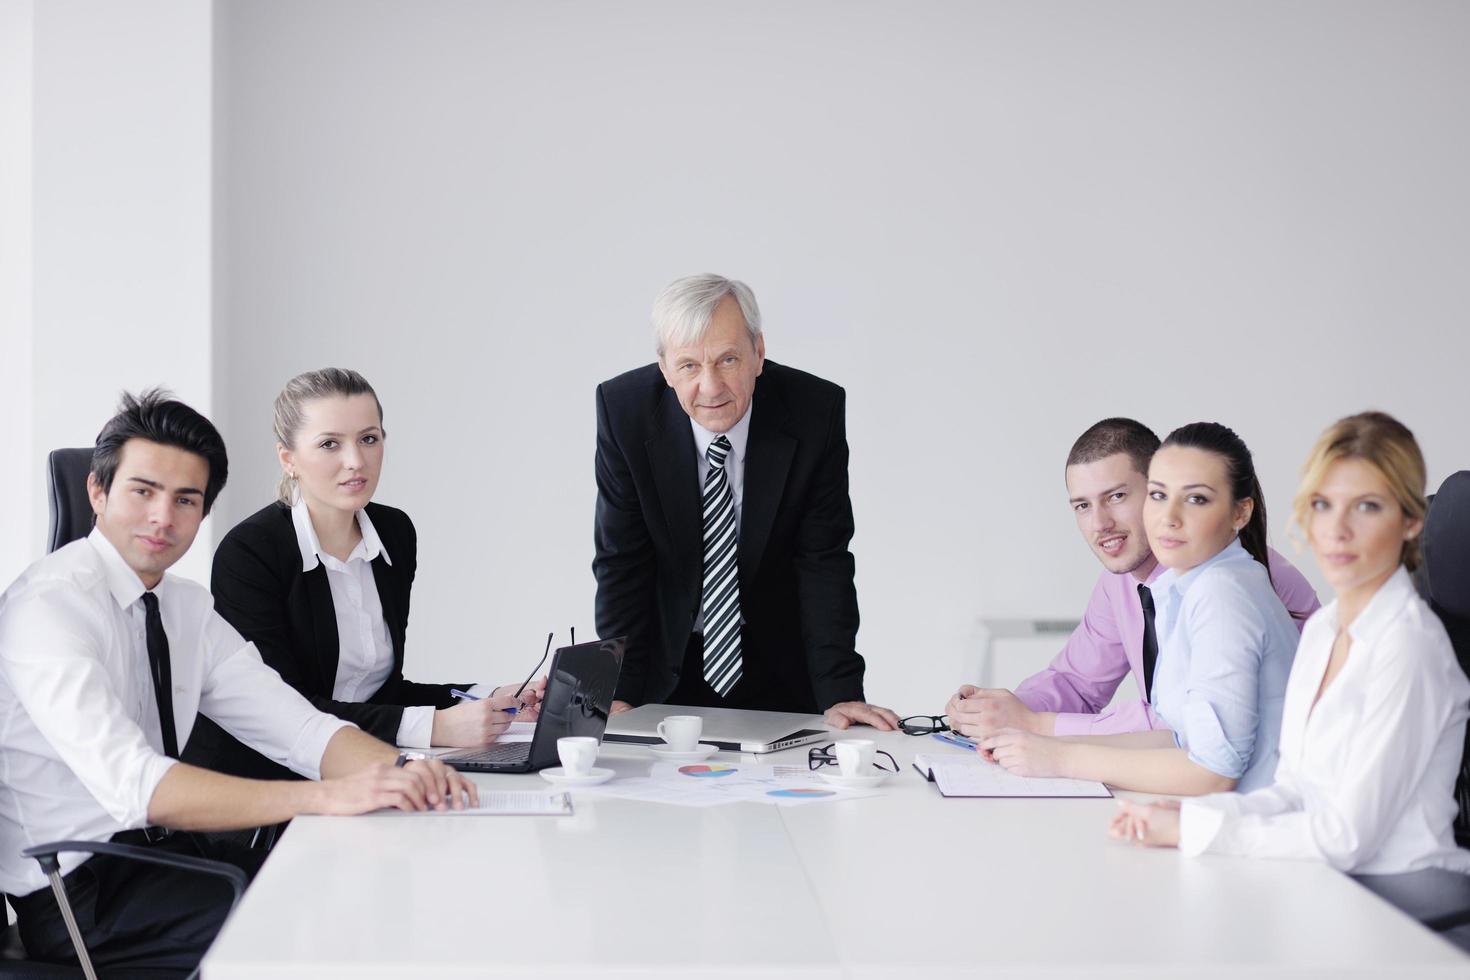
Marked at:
<point>699,753</point>
<point>854,782</point>
<point>558,776</point>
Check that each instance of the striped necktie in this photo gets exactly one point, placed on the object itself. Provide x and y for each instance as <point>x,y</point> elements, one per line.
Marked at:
<point>721,594</point>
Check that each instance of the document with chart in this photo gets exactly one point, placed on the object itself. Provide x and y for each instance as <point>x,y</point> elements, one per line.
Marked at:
<point>737,781</point>
<point>971,776</point>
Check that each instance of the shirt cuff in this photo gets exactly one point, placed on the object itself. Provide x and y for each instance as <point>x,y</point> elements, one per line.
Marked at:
<point>1209,747</point>
<point>416,728</point>
<point>305,756</point>
<point>1199,826</point>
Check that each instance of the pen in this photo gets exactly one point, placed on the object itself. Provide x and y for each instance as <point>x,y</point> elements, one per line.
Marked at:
<point>467,696</point>
<point>953,739</point>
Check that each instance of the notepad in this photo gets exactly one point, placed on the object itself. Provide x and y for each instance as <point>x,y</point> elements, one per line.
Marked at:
<point>507,804</point>
<point>971,776</point>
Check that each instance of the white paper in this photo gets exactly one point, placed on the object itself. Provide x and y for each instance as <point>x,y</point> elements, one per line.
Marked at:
<point>519,731</point>
<point>538,802</point>
<point>973,776</point>
<point>714,782</point>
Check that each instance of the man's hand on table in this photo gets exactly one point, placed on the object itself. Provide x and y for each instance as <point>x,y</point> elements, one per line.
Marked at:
<point>421,784</point>
<point>847,713</point>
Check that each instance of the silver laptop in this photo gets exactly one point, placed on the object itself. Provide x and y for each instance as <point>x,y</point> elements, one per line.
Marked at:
<point>729,728</point>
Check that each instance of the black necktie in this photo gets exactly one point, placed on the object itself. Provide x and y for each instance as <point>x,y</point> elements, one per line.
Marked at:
<point>1150,641</point>
<point>163,683</point>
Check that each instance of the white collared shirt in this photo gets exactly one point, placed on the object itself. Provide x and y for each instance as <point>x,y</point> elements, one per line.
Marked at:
<point>81,748</point>
<point>739,436</point>
<point>364,644</point>
<point>1367,776</point>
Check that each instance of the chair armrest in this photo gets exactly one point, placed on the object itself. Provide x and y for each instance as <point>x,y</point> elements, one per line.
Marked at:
<point>45,854</point>
<point>1438,898</point>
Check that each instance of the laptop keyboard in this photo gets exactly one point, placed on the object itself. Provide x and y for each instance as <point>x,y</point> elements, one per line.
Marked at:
<point>499,754</point>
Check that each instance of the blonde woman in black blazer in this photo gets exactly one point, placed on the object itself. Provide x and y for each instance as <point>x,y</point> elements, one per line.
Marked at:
<point>320,581</point>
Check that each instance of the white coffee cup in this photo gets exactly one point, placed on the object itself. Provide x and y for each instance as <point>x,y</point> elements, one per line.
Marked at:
<point>681,731</point>
<point>855,757</point>
<point>577,753</point>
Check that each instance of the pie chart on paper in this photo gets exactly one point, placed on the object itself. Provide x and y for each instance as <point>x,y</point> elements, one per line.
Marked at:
<point>708,771</point>
<point>800,794</point>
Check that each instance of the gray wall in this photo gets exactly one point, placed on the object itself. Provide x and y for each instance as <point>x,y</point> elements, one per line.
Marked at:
<point>993,223</point>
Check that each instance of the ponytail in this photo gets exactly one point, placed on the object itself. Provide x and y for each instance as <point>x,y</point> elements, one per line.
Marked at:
<point>1253,535</point>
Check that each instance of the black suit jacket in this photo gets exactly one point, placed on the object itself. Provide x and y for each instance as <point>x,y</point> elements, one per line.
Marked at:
<point>288,614</point>
<point>796,574</point>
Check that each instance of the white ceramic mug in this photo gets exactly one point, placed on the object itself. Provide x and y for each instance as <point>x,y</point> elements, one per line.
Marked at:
<point>855,757</point>
<point>681,731</point>
<point>577,753</point>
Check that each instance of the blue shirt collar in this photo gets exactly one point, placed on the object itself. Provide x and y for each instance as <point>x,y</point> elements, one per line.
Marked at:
<point>1179,582</point>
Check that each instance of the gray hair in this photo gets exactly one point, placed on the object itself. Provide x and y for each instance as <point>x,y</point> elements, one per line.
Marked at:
<point>290,412</point>
<point>682,312</point>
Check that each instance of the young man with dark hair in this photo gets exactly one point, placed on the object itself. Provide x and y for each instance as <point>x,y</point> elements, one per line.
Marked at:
<point>1107,477</point>
<point>105,661</point>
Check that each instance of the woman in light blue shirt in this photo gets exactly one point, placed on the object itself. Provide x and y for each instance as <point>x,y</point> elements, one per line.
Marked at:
<point>1225,642</point>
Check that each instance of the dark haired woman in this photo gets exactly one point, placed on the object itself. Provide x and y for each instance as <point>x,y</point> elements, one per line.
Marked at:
<point>1225,641</point>
<point>1374,722</point>
<point>320,579</point>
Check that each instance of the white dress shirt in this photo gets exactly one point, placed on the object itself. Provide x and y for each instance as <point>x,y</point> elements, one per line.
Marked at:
<point>364,644</point>
<point>1367,776</point>
<point>81,748</point>
<point>1226,645</point>
<point>739,436</point>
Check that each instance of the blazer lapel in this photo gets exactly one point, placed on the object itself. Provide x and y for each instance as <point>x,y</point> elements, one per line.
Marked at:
<point>383,579</point>
<point>676,474</point>
<point>324,622</point>
<point>767,459</point>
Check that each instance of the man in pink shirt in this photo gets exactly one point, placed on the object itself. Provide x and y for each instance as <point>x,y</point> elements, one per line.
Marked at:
<point>1106,483</point>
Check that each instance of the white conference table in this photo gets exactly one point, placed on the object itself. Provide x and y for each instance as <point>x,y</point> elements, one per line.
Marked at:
<point>903,884</point>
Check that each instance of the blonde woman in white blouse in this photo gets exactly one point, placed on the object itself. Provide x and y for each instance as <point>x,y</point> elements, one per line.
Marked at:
<point>1374,720</point>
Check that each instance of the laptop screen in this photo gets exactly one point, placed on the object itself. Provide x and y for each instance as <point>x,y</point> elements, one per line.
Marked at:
<point>579,695</point>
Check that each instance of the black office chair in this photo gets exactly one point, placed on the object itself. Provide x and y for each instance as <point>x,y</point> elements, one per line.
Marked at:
<point>1437,898</point>
<point>66,485</point>
<point>46,854</point>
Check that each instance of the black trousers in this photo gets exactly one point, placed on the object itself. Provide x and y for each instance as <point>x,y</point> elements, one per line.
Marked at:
<point>136,919</point>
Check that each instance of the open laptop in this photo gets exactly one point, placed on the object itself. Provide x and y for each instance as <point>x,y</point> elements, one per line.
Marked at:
<point>732,729</point>
<point>579,693</point>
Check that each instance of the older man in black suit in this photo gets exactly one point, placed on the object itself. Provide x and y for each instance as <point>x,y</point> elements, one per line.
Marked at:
<point>723,520</point>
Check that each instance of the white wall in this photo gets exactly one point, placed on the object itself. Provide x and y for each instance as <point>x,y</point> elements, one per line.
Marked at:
<point>118,257</point>
<point>994,223</point>
<point>18,493</point>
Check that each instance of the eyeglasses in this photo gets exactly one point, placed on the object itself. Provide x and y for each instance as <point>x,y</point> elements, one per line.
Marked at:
<point>542,661</point>
<point>923,724</point>
<point>826,755</point>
